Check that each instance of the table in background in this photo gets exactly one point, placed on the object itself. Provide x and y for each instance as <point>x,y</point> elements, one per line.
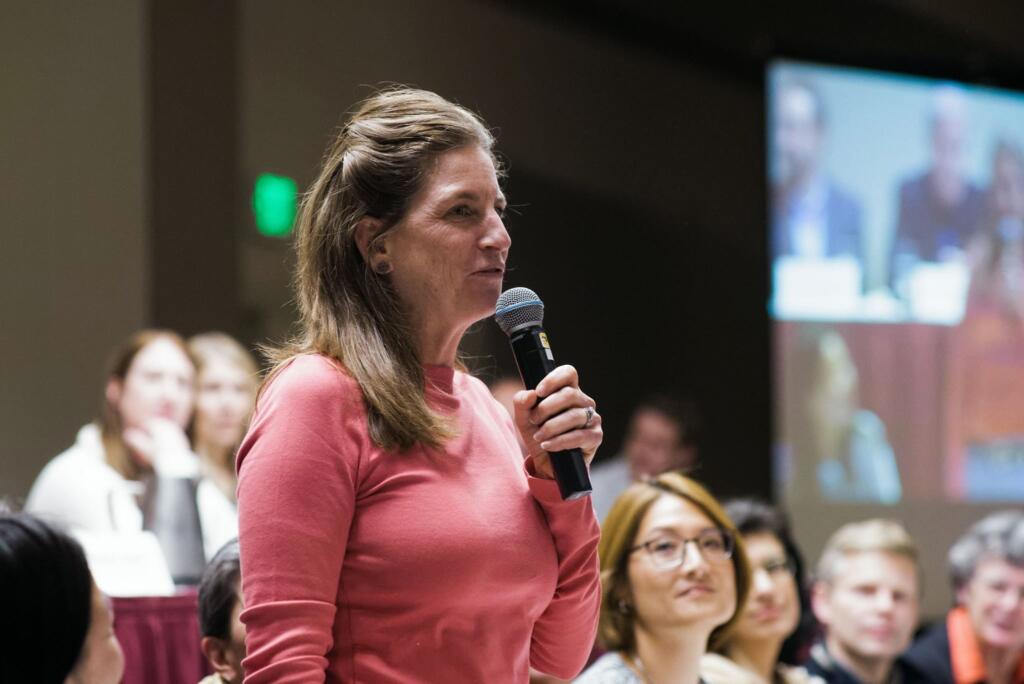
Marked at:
<point>160,639</point>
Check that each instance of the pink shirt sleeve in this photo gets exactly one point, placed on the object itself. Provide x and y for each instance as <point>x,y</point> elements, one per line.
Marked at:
<point>564,635</point>
<point>298,469</point>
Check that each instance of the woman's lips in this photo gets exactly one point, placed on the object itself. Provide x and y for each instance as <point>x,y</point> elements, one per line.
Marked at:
<point>768,614</point>
<point>490,272</point>
<point>695,590</point>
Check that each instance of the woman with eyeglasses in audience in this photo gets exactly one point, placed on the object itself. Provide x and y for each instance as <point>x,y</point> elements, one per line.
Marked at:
<point>776,624</point>
<point>674,578</point>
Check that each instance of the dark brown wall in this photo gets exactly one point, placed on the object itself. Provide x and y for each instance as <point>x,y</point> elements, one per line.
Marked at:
<point>192,114</point>
<point>72,217</point>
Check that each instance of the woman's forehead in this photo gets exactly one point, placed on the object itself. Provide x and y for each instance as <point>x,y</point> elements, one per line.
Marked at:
<point>464,170</point>
<point>764,545</point>
<point>673,513</point>
<point>160,354</point>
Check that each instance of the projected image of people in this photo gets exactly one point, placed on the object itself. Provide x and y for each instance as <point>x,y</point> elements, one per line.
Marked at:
<point>836,448</point>
<point>997,274</point>
<point>940,207</point>
<point>897,223</point>
<point>815,218</point>
<point>991,342</point>
<point>816,236</point>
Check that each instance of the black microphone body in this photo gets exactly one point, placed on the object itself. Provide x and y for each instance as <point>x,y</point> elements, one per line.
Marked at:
<point>533,356</point>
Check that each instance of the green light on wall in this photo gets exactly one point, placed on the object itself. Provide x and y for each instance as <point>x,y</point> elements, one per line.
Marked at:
<point>274,202</point>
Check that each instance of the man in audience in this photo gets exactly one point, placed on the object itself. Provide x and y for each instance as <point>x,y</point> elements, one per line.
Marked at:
<point>662,436</point>
<point>220,604</point>
<point>940,207</point>
<point>814,218</point>
<point>982,638</point>
<point>866,598</point>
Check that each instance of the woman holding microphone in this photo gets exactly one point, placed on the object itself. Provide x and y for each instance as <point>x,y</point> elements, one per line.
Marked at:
<point>390,528</point>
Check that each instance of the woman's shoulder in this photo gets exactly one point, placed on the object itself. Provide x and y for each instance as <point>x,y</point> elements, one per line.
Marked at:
<point>608,669</point>
<point>83,459</point>
<point>309,377</point>
<point>717,669</point>
<point>793,674</point>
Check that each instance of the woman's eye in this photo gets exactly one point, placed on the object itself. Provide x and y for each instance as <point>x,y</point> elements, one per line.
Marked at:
<point>462,211</point>
<point>665,547</point>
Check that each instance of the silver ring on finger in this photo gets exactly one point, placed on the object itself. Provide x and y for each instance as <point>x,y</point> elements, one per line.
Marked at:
<point>590,417</point>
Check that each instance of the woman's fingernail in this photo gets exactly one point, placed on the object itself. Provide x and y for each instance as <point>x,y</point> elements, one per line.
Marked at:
<point>546,446</point>
<point>536,435</point>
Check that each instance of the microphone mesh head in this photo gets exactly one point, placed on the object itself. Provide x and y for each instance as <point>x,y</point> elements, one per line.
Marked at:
<point>518,307</point>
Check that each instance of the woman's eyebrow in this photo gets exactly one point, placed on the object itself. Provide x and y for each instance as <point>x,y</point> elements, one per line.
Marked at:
<point>676,531</point>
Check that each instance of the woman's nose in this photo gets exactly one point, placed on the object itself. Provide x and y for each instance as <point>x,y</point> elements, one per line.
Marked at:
<point>762,581</point>
<point>496,235</point>
<point>693,559</point>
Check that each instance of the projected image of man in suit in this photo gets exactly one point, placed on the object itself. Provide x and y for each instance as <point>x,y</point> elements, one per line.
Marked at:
<point>813,217</point>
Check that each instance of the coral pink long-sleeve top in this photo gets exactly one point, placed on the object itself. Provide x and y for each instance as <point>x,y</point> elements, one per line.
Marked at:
<point>362,565</point>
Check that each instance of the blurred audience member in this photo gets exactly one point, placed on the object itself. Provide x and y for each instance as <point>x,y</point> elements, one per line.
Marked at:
<point>941,207</point>
<point>134,468</point>
<point>227,377</point>
<point>814,218</point>
<point>982,637</point>
<point>59,625</point>
<point>147,403</point>
<point>220,604</point>
<point>662,436</point>
<point>776,625</point>
<point>674,575</point>
<point>839,449</point>
<point>866,598</point>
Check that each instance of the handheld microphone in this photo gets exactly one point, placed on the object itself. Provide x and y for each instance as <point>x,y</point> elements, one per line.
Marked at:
<point>520,313</point>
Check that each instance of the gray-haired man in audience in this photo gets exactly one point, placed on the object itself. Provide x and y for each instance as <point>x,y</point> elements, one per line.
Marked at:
<point>982,637</point>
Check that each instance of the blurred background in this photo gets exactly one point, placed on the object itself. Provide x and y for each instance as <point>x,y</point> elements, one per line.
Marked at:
<point>634,134</point>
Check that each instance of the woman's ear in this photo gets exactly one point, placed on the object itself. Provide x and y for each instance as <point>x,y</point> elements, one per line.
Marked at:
<point>368,230</point>
<point>112,391</point>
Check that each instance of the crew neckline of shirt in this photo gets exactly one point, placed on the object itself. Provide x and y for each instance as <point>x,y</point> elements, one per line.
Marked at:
<point>439,384</point>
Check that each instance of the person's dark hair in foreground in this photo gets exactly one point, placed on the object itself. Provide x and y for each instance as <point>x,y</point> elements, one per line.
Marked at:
<point>982,638</point>
<point>223,634</point>
<point>60,628</point>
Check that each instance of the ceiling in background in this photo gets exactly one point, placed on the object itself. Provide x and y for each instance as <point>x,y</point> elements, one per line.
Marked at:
<point>976,41</point>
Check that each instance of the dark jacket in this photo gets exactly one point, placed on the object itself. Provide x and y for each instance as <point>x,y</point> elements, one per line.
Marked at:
<point>927,660</point>
<point>821,664</point>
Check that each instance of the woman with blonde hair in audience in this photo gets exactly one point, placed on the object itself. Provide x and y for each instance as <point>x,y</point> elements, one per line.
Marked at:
<point>674,579</point>
<point>226,384</point>
<point>776,624</point>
